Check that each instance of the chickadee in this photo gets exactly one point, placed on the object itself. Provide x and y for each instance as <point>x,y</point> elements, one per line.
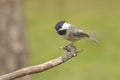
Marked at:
<point>71,32</point>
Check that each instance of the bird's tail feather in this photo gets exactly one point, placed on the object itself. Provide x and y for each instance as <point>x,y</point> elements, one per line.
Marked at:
<point>93,39</point>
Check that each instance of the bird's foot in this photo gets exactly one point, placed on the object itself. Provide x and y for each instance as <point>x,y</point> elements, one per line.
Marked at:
<point>72,49</point>
<point>67,46</point>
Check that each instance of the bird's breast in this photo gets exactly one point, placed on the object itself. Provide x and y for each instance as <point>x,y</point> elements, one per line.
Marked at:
<point>70,37</point>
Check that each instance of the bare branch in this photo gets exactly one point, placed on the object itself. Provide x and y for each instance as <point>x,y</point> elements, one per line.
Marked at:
<point>71,52</point>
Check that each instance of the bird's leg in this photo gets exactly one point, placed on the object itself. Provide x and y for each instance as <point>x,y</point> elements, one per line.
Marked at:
<point>69,45</point>
<point>66,46</point>
<point>72,44</point>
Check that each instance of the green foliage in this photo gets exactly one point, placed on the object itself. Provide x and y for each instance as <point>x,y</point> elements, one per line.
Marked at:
<point>100,18</point>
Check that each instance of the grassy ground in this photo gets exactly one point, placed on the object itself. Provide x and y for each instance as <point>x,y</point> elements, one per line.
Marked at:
<point>100,18</point>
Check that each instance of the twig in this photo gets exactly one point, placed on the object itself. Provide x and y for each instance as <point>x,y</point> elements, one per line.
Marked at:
<point>71,52</point>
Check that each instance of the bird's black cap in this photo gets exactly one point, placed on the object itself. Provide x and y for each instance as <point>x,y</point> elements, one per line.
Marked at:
<point>59,24</point>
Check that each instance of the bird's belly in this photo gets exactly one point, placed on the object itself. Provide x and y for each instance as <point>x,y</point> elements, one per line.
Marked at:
<point>71,38</point>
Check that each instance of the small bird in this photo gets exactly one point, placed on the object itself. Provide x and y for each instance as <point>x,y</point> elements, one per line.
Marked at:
<point>71,32</point>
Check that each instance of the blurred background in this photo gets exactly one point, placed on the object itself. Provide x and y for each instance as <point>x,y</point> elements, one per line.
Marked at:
<point>100,18</point>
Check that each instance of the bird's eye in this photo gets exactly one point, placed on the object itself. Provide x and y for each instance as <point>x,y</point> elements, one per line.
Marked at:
<point>57,27</point>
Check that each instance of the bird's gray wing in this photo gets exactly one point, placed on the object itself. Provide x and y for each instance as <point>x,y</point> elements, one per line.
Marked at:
<point>78,32</point>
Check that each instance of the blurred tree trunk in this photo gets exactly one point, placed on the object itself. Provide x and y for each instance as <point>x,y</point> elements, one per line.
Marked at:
<point>13,49</point>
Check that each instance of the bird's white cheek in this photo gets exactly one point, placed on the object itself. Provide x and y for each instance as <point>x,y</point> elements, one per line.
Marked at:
<point>65,26</point>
